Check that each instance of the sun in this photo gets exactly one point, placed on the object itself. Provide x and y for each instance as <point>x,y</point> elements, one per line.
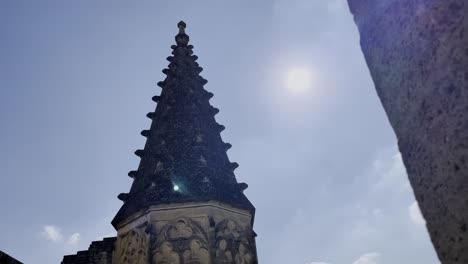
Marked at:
<point>298,80</point>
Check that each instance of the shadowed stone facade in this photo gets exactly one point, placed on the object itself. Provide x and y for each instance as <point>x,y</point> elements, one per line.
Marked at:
<point>99,252</point>
<point>6,259</point>
<point>185,205</point>
<point>417,53</point>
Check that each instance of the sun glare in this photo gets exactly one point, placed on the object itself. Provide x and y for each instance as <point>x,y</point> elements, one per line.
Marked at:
<point>298,80</point>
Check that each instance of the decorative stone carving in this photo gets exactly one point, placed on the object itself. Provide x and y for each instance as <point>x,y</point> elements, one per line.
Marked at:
<point>131,248</point>
<point>231,238</point>
<point>164,254</point>
<point>243,256</point>
<point>228,229</point>
<point>181,229</point>
<point>196,254</point>
<point>223,255</point>
<point>180,238</point>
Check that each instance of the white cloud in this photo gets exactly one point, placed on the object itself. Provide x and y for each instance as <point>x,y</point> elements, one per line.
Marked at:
<point>415,214</point>
<point>318,263</point>
<point>368,258</point>
<point>52,233</point>
<point>74,239</point>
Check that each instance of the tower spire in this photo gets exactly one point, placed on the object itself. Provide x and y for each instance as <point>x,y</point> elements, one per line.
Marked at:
<point>184,158</point>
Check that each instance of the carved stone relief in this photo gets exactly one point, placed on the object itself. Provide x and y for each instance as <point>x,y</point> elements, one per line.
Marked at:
<point>131,248</point>
<point>233,240</point>
<point>244,256</point>
<point>164,254</point>
<point>180,241</point>
<point>196,254</point>
<point>223,255</point>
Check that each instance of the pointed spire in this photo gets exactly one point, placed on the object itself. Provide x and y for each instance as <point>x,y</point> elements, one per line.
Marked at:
<point>184,158</point>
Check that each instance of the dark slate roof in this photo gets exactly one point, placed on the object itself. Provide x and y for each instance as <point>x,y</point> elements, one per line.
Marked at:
<point>7,259</point>
<point>184,158</point>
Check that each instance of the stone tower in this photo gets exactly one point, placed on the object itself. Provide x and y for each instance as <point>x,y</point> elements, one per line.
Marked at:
<point>185,204</point>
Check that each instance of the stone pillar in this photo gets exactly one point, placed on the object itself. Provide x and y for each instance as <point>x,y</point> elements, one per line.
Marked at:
<point>187,233</point>
<point>417,53</point>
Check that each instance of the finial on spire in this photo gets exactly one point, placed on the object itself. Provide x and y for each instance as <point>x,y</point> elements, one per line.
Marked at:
<point>182,39</point>
<point>181,25</point>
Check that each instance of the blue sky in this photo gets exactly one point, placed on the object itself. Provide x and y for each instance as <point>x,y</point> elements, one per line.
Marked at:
<point>323,170</point>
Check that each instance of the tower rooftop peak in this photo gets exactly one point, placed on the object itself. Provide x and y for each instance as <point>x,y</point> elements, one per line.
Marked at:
<point>184,158</point>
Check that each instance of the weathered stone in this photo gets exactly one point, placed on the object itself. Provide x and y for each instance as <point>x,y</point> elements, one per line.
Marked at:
<point>209,232</point>
<point>417,53</point>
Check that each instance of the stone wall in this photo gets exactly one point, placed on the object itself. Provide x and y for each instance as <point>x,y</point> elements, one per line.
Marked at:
<point>99,252</point>
<point>417,53</point>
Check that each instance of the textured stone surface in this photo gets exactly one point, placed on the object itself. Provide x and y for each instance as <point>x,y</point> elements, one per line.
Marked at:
<point>6,259</point>
<point>99,252</point>
<point>417,53</point>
